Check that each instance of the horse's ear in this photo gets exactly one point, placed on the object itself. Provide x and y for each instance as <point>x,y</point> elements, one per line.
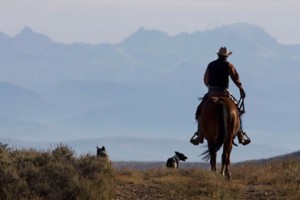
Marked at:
<point>103,148</point>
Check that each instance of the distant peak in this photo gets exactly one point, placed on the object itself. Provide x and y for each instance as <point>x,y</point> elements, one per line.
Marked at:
<point>143,34</point>
<point>28,33</point>
<point>247,31</point>
<point>245,27</point>
<point>26,29</point>
<point>143,30</point>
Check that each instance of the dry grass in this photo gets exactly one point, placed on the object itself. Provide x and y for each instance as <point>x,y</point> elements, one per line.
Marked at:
<point>58,174</point>
<point>272,180</point>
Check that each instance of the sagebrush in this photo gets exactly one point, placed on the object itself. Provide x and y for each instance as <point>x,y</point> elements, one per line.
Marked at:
<point>57,174</point>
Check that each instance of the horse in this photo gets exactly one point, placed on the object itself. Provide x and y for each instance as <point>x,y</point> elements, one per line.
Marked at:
<point>219,123</point>
<point>173,162</point>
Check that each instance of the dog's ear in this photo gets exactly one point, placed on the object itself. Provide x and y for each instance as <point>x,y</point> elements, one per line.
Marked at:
<point>178,154</point>
<point>103,148</point>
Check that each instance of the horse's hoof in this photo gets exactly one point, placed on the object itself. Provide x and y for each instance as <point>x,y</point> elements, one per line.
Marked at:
<point>227,176</point>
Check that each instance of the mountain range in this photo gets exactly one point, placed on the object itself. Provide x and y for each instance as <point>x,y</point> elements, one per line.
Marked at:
<point>144,87</point>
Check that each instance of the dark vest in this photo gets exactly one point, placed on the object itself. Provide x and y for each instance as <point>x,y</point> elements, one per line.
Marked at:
<point>219,73</point>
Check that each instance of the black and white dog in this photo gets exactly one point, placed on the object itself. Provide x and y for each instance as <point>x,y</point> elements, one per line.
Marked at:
<point>173,162</point>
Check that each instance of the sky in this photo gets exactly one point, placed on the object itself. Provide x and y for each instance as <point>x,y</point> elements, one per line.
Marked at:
<point>98,21</point>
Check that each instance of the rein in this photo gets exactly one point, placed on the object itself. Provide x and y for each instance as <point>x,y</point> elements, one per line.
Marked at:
<point>241,106</point>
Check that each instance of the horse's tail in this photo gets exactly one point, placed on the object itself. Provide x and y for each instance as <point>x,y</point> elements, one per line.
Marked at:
<point>222,112</point>
<point>222,116</point>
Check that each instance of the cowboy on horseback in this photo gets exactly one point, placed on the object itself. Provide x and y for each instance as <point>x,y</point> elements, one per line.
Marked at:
<point>216,78</point>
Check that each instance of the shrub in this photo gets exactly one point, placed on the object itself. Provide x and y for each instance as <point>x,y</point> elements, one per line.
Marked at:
<point>57,174</point>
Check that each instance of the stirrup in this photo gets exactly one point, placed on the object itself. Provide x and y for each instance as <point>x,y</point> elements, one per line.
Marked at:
<point>246,140</point>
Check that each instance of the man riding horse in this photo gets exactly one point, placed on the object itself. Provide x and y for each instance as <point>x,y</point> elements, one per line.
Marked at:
<point>216,78</point>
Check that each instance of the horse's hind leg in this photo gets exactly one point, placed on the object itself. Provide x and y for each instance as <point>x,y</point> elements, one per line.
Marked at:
<point>213,162</point>
<point>226,161</point>
<point>213,159</point>
<point>225,169</point>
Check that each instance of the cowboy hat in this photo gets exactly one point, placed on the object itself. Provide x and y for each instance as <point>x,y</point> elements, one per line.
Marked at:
<point>224,52</point>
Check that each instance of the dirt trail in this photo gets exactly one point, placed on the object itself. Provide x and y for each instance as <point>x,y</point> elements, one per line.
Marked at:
<point>139,191</point>
<point>150,191</point>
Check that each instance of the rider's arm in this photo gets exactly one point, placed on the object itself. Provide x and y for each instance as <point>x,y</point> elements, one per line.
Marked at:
<point>206,77</point>
<point>235,76</point>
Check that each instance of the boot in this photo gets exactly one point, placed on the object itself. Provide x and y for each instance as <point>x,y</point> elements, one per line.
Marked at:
<point>197,139</point>
<point>243,138</point>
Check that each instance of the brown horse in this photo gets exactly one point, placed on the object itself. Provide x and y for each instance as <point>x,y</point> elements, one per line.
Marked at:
<point>219,123</point>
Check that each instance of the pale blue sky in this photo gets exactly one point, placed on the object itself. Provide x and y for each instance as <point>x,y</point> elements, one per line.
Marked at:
<point>97,21</point>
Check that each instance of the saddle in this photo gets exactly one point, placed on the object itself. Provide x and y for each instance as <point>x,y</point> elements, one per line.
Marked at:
<point>221,92</point>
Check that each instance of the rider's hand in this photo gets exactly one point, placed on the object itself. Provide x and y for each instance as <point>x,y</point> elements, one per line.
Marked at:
<point>243,94</point>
